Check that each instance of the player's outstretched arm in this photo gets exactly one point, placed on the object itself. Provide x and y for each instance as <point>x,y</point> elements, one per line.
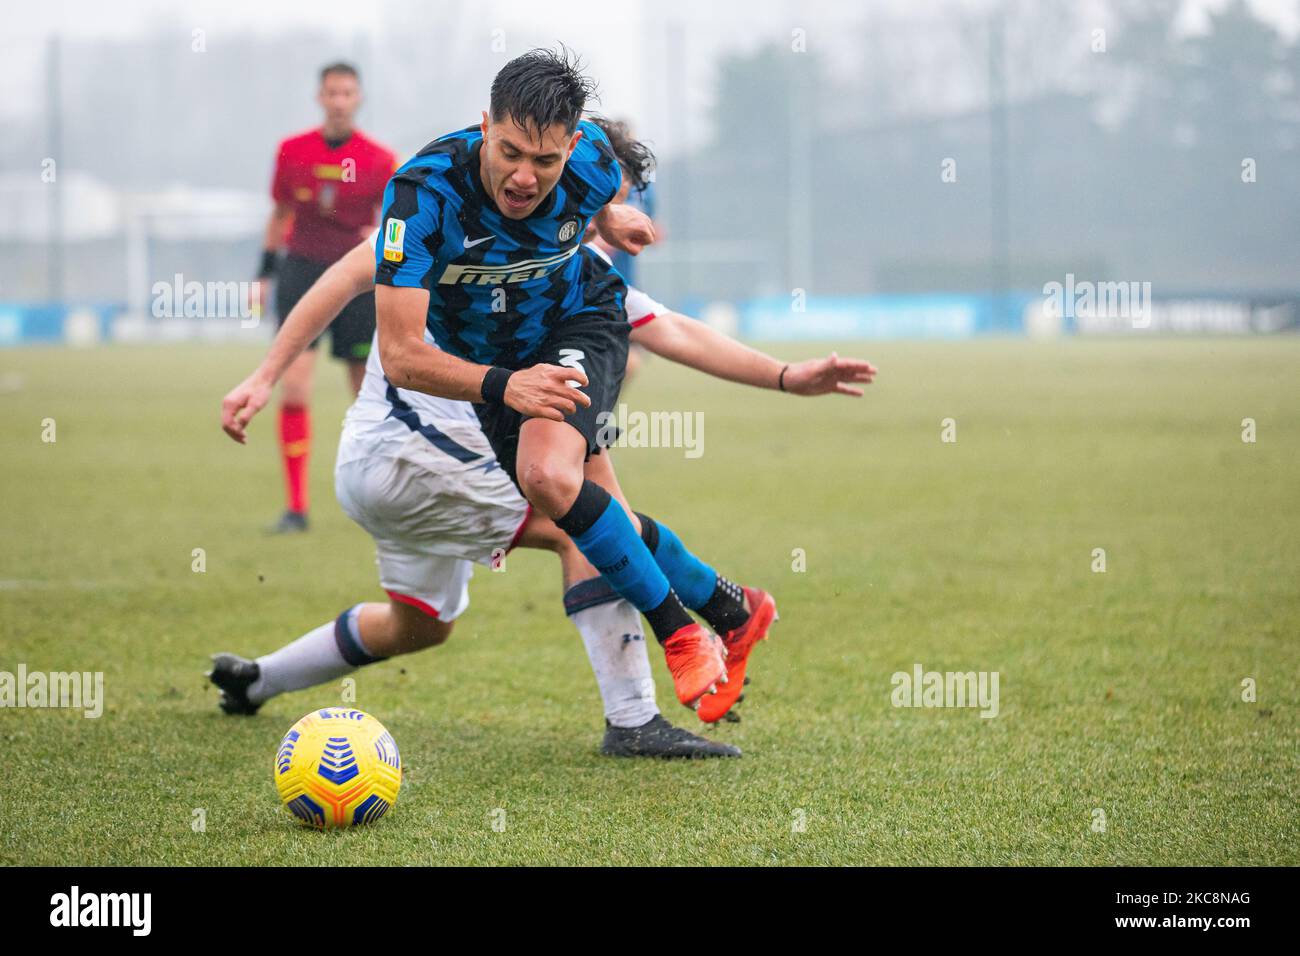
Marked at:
<point>542,391</point>
<point>688,342</point>
<point>319,306</point>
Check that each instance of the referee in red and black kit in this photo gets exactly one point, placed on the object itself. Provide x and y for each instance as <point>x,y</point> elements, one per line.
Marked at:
<point>328,186</point>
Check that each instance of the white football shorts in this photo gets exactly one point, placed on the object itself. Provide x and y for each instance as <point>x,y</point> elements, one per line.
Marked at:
<point>431,517</point>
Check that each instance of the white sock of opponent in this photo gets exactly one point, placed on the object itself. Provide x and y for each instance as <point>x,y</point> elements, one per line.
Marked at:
<point>324,654</point>
<point>611,631</point>
<point>610,628</point>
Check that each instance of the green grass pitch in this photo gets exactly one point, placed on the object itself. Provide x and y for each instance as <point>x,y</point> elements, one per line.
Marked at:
<point>1119,691</point>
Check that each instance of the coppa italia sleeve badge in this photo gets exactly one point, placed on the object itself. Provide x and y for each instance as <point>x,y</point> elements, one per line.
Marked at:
<point>394,233</point>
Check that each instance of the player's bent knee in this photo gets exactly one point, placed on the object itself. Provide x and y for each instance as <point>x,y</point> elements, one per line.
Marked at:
<point>426,633</point>
<point>416,629</point>
<point>550,485</point>
<point>436,632</point>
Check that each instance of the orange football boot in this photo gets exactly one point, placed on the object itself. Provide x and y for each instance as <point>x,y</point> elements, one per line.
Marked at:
<point>762,612</point>
<point>694,657</point>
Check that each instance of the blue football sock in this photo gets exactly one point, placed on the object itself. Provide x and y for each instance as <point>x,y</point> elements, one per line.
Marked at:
<point>692,579</point>
<point>702,589</point>
<point>607,538</point>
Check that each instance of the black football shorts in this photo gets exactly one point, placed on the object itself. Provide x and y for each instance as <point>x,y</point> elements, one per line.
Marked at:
<point>354,329</point>
<point>595,340</point>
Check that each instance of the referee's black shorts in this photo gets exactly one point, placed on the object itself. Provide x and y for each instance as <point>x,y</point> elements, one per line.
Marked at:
<point>350,333</point>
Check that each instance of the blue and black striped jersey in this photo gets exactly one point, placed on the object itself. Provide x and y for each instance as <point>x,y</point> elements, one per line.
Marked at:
<point>496,285</point>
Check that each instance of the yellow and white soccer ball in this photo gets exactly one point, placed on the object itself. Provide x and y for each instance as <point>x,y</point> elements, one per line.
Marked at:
<point>338,767</point>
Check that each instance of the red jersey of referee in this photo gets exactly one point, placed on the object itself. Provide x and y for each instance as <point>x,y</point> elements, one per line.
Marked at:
<point>334,192</point>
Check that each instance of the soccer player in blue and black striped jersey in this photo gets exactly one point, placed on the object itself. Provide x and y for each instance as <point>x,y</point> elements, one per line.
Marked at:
<point>482,247</point>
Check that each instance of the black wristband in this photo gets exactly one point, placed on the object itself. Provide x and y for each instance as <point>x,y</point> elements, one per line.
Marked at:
<point>494,384</point>
<point>270,262</point>
<point>780,382</point>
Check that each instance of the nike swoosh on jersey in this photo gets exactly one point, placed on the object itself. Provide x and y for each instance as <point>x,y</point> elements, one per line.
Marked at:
<point>470,245</point>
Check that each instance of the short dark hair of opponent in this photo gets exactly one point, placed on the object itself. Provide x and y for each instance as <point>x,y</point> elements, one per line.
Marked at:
<point>636,158</point>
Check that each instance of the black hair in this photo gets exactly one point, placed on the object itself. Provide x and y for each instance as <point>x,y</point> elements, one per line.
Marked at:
<point>636,158</point>
<point>542,88</point>
<point>339,68</point>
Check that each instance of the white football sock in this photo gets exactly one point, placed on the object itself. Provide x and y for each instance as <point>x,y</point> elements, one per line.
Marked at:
<point>611,632</point>
<point>312,659</point>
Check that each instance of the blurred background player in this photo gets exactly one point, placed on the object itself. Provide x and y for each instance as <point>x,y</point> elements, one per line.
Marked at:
<point>328,186</point>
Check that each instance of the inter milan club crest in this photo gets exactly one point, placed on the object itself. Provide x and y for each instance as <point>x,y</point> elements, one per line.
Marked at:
<point>568,230</point>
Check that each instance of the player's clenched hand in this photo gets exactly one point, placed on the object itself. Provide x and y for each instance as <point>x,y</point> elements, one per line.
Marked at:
<point>829,375</point>
<point>243,402</point>
<point>625,227</point>
<point>546,391</point>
